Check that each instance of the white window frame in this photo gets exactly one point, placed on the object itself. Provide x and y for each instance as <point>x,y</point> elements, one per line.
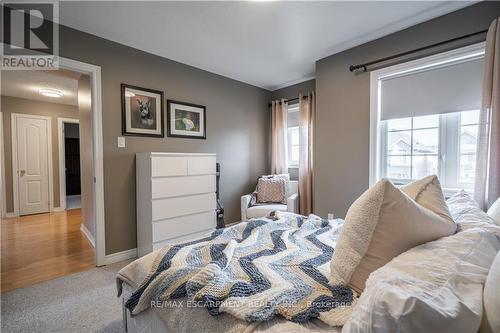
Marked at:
<point>291,165</point>
<point>377,132</point>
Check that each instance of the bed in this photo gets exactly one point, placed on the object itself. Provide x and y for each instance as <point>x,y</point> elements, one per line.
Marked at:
<point>436,286</point>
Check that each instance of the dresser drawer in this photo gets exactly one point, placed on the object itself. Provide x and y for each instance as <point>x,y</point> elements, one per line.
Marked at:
<point>164,166</point>
<point>182,239</point>
<point>184,225</point>
<point>173,207</point>
<point>179,186</point>
<point>201,165</point>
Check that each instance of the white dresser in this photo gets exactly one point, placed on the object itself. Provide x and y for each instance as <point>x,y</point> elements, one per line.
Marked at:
<point>175,198</point>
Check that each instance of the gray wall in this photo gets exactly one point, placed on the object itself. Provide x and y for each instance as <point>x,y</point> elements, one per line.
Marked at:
<point>86,153</point>
<point>294,91</point>
<point>343,103</point>
<point>237,126</point>
<point>11,105</point>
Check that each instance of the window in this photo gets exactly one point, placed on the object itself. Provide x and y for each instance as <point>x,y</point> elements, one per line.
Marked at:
<point>424,119</point>
<point>419,146</point>
<point>412,147</point>
<point>293,136</point>
<point>469,125</point>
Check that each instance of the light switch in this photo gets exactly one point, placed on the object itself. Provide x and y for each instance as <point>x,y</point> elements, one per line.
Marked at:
<point>121,142</point>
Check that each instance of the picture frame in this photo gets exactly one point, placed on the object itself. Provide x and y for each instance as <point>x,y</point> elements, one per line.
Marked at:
<point>142,111</point>
<point>186,120</point>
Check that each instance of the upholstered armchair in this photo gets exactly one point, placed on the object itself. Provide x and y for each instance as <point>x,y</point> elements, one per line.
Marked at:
<point>262,210</point>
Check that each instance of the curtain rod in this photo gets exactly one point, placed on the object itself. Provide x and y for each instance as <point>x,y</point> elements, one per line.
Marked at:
<point>290,100</point>
<point>353,68</point>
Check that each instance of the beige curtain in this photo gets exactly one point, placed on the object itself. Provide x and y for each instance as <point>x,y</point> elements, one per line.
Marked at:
<point>279,148</point>
<point>487,183</point>
<point>307,111</point>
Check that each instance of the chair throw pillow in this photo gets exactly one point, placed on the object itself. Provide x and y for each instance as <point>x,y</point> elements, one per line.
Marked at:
<point>271,190</point>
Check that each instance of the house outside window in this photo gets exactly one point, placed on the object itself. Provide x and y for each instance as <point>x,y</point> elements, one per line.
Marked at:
<point>424,119</point>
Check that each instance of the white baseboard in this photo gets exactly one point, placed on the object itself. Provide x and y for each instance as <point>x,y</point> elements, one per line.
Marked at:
<point>58,209</point>
<point>10,215</point>
<point>120,256</point>
<point>87,234</point>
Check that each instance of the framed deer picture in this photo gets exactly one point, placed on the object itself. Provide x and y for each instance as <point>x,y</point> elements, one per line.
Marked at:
<point>142,111</point>
<point>186,120</point>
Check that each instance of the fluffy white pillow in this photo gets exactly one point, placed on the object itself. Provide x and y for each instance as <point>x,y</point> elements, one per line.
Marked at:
<point>382,223</point>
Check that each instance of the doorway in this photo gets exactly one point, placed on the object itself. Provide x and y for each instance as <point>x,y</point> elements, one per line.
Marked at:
<point>50,219</point>
<point>69,163</point>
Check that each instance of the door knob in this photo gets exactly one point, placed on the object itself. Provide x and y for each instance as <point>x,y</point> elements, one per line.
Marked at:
<point>22,172</point>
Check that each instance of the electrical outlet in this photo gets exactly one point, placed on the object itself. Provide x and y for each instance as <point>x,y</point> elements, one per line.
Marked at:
<point>330,216</point>
<point>121,142</point>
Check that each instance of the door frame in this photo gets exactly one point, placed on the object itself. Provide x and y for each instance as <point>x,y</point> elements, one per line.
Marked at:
<point>62,158</point>
<point>15,175</point>
<point>3,203</point>
<point>94,72</point>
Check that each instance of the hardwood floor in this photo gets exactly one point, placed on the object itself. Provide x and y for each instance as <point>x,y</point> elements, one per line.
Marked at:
<point>41,247</point>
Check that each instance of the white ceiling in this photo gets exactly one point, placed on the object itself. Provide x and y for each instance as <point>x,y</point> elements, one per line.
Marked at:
<point>26,84</point>
<point>265,43</point>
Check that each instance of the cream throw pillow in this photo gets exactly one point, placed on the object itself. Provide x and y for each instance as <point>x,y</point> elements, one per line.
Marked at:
<point>381,224</point>
<point>428,193</point>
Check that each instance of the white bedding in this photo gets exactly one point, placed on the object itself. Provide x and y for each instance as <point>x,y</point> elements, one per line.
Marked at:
<point>434,287</point>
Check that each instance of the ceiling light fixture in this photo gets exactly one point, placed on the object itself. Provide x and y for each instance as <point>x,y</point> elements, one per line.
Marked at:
<point>50,92</point>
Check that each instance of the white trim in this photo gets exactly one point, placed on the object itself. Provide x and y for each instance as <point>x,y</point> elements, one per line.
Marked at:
<point>87,234</point>
<point>15,178</point>
<point>3,201</point>
<point>10,215</point>
<point>373,164</point>
<point>120,256</point>
<point>461,54</point>
<point>62,157</point>
<point>99,218</point>
<point>458,55</point>
<point>58,209</point>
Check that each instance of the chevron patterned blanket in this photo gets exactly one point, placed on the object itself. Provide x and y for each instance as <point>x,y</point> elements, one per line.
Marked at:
<point>254,271</point>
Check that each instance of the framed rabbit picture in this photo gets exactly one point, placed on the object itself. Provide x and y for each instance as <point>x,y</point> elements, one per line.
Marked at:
<point>142,111</point>
<point>186,120</point>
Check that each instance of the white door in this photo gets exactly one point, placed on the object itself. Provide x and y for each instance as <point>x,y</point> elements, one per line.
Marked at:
<point>32,165</point>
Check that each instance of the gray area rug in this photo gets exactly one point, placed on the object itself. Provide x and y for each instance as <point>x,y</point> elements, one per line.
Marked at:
<point>82,302</point>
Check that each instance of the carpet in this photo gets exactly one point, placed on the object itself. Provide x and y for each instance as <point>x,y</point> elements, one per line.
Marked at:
<point>81,302</point>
